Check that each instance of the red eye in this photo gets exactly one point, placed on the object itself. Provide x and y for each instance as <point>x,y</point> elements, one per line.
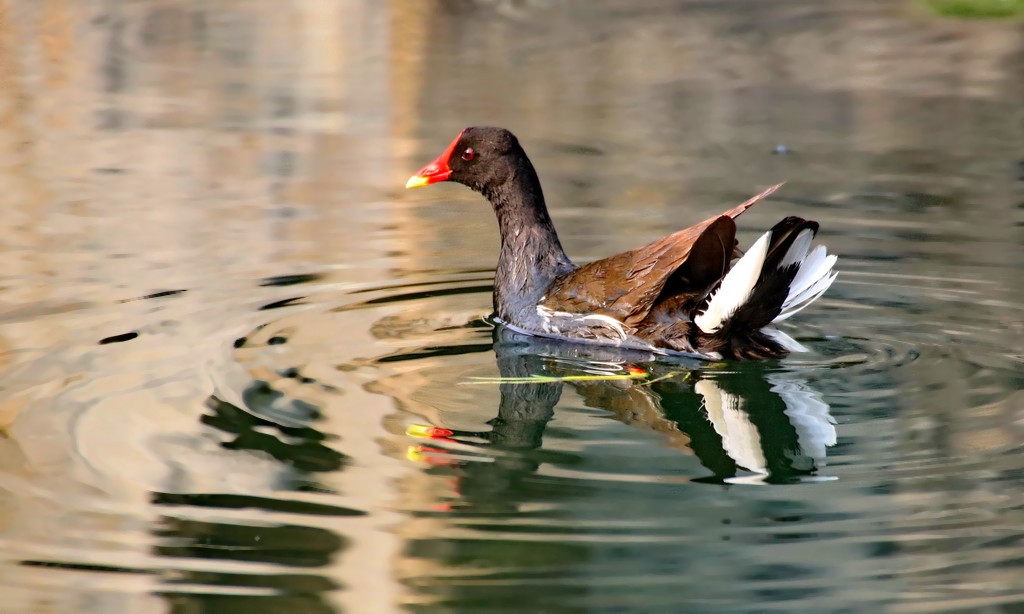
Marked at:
<point>469,154</point>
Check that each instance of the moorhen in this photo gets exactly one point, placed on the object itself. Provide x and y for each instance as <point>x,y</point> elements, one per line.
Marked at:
<point>679,294</point>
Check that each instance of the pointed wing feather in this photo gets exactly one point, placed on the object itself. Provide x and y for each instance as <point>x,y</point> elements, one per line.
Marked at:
<point>625,286</point>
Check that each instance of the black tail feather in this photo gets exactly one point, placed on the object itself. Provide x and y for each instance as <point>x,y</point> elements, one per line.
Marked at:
<point>740,336</point>
<point>772,287</point>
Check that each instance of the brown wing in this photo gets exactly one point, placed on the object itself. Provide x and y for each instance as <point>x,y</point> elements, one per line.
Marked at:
<point>626,285</point>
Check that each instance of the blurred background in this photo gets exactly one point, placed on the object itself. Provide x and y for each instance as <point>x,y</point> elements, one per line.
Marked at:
<point>226,330</point>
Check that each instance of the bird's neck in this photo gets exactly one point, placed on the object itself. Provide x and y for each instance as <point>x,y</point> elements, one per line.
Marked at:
<point>531,254</point>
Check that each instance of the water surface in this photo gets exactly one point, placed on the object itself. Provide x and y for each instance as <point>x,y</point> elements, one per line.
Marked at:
<point>242,370</point>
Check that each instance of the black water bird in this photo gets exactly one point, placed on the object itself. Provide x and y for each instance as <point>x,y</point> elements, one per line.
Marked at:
<point>682,293</point>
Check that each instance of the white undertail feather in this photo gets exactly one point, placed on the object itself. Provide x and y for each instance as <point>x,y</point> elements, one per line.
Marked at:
<point>798,250</point>
<point>812,279</point>
<point>785,341</point>
<point>735,288</point>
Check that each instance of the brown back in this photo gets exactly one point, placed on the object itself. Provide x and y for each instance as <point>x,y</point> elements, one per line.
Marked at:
<point>625,286</point>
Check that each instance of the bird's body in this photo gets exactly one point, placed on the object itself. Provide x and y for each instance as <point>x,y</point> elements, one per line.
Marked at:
<point>679,293</point>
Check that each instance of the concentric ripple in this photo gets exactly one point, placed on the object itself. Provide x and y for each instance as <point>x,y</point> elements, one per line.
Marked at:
<point>540,464</point>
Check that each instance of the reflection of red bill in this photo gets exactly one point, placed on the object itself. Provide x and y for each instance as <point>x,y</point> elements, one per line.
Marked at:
<point>422,431</point>
<point>429,455</point>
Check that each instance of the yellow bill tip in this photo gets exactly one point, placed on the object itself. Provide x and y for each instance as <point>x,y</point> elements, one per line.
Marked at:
<point>416,181</point>
<point>417,430</point>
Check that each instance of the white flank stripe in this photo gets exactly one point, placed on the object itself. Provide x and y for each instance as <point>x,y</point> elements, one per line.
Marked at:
<point>608,322</point>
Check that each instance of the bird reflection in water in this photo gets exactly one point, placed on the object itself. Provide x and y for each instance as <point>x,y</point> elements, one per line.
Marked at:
<point>751,424</point>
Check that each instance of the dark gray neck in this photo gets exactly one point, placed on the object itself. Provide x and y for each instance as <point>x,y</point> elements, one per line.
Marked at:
<point>531,254</point>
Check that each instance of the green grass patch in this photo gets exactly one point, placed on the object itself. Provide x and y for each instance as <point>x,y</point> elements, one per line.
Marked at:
<point>977,9</point>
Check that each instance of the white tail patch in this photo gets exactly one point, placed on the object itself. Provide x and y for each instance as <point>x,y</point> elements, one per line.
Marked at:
<point>814,277</point>
<point>735,288</point>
